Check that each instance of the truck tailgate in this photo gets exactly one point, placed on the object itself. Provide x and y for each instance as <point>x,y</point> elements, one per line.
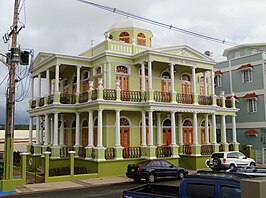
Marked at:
<point>152,190</point>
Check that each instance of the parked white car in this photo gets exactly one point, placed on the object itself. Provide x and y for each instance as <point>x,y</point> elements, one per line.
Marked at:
<point>229,160</point>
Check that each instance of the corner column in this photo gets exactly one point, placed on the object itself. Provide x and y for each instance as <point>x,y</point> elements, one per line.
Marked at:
<point>90,146</point>
<point>118,147</point>
<point>57,93</point>
<point>151,148</point>
<point>77,135</point>
<point>100,150</point>
<point>223,134</point>
<point>215,145</point>
<point>55,150</point>
<point>173,145</point>
<point>150,90</point>
<point>234,142</point>
<point>195,147</point>
<point>180,133</point>
<point>194,90</point>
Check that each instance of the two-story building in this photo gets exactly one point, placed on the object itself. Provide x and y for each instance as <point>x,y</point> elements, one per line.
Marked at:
<point>243,75</point>
<point>122,100</point>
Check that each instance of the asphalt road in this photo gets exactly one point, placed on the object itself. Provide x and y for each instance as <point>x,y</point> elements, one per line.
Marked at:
<point>110,191</point>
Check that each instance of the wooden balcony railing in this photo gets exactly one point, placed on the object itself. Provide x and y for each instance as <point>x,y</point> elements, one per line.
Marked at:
<point>83,97</point>
<point>206,150</point>
<point>33,104</point>
<point>109,153</point>
<point>228,103</point>
<point>94,95</point>
<point>186,150</point>
<point>219,102</point>
<point>41,102</point>
<point>131,152</point>
<point>132,96</point>
<point>184,98</point>
<point>50,99</point>
<point>205,100</point>
<point>161,96</point>
<point>163,151</point>
<point>67,99</point>
<point>82,152</point>
<point>109,94</point>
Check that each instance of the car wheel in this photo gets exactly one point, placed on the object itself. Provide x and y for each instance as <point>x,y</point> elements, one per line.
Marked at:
<point>231,166</point>
<point>151,178</point>
<point>252,164</point>
<point>181,174</point>
<point>216,162</point>
<point>137,179</point>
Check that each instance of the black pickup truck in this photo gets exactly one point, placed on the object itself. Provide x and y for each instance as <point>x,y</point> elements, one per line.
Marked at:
<point>200,185</point>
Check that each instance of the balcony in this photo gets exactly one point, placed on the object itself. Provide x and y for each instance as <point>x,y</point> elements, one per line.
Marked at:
<point>67,99</point>
<point>205,100</point>
<point>163,151</point>
<point>184,98</point>
<point>161,96</point>
<point>132,96</point>
<point>109,94</point>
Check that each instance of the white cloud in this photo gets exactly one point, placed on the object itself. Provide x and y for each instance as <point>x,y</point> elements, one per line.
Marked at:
<point>67,26</point>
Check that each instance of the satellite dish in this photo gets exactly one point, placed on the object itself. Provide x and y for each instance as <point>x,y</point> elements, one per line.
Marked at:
<point>207,53</point>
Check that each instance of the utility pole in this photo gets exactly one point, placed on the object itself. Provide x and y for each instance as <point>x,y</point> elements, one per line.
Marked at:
<point>10,101</point>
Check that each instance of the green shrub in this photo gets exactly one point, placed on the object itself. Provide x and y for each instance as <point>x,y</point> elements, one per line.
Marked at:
<point>66,171</point>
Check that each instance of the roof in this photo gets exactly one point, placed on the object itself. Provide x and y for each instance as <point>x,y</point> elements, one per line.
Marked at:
<point>250,95</point>
<point>218,72</point>
<point>226,51</point>
<point>229,97</point>
<point>251,132</point>
<point>128,23</point>
<point>245,66</point>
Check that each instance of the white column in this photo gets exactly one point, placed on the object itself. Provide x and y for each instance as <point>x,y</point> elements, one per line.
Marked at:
<point>55,129</point>
<point>61,142</point>
<point>51,135</point>
<point>77,143</point>
<point>159,130</point>
<point>180,129</point>
<point>193,80</point>
<point>39,86</point>
<point>100,116</point>
<point>150,142</point>
<point>41,130</point>
<point>46,128</point>
<point>78,80</point>
<point>195,128</point>
<point>172,77</point>
<point>234,128</point>
<point>205,84</point>
<point>90,129</point>
<point>143,129</point>
<point>117,128</point>
<point>48,82</point>
<point>30,130</point>
<point>150,74</point>
<point>143,76</point>
<point>207,141</point>
<point>212,81</point>
<point>223,129</point>
<point>32,87</point>
<point>37,129</point>
<point>173,134</point>
<point>57,78</point>
<point>104,75</point>
<point>109,75</point>
<point>214,139</point>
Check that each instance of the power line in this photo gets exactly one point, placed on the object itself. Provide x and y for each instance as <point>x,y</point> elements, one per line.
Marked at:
<point>160,24</point>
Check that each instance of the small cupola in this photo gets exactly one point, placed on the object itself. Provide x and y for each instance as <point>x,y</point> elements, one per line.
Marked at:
<point>130,31</point>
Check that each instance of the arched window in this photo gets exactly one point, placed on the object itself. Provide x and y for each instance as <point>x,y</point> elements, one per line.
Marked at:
<point>187,132</point>
<point>202,126</point>
<point>122,69</point>
<point>186,84</point>
<point>98,74</point>
<point>111,37</point>
<point>124,36</point>
<point>124,132</point>
<point>141,39</point>
<point>167,132</point>
<point>85,81</point>
<point>166,75</point>
<point>84,133</point>
<point>186,77</point>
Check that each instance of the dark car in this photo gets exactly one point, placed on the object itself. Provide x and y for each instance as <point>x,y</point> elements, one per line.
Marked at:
<point>153,169</point>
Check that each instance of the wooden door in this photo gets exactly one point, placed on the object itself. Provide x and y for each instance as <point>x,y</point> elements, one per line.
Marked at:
<point>73,137</point>
<point>167,136</point>
<point>123,82</point>
<point>188,136</point>
<point>85,86</point>
<point>65,137</point>
<point>124,136</point>
<point>186,87</point>
<point>84,136</point>
<point>203,135</point>
<point>166,85</point>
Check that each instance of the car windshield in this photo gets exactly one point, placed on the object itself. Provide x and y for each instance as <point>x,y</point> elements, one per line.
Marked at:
<point>217,155</point>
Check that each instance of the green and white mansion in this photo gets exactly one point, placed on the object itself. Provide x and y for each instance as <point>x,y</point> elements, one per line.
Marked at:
<point>122,100</point>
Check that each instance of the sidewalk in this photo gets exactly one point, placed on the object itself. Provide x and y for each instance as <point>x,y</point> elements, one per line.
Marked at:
<point>41,187</point>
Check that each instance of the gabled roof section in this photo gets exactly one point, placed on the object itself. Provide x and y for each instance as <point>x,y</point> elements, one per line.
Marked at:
<point>245,67</point>
<point>41,57</point>
<point>250,95</point>
<point>251,132</point>
<point>184,51</point>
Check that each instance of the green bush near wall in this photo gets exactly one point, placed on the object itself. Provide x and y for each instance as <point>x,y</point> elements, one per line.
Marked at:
<point>66,171</point>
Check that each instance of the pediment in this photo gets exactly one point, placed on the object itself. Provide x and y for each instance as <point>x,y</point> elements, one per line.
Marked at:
<point>184,51</point>
<point>41,57</point>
